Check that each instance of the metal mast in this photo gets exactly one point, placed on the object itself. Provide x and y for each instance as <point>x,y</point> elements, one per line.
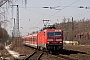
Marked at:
<point>72,24</point>
<point>17,21</point>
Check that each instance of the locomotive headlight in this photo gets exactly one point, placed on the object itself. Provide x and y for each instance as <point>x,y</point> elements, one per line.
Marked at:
<point>60,42</point>
<point>48,42</point>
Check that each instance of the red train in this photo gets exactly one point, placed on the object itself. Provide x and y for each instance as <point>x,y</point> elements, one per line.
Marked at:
<point>48,39</point>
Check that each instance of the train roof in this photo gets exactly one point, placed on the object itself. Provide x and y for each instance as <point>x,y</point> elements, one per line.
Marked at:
<point>52,30</point>
<point>30,35</point>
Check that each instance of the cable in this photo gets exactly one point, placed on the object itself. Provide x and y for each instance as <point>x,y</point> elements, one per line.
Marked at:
<point>30,10</point>
<point>59,2</point>
<point>54,13</point>
<point>64,8</point>
<point>83,14</point>
<point>37,13</point>
<point>41,7</point>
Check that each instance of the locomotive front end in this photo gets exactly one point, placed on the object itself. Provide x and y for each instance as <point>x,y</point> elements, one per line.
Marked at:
<point>54,40</point>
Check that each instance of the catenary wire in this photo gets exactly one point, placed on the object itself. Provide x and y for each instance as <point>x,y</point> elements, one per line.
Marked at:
<point>64,8</point>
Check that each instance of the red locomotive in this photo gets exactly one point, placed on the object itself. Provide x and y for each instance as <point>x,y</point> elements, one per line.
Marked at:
<point>48,39</point>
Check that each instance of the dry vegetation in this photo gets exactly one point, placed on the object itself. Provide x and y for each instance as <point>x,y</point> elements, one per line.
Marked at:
<point>3,35</point>
<point>3,38</point>
<point>19,47</point>
<point>80,31</point>
<point>1,46</point>
<point>76,30</point>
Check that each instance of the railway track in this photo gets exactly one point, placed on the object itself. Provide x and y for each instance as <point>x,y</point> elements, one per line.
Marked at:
<point>78,56</point>
<point>62,57</point>
<point>66,57</point>
<point>35,55</point>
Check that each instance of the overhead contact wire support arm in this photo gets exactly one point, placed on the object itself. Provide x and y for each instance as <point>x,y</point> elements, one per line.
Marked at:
<point>3,2</point>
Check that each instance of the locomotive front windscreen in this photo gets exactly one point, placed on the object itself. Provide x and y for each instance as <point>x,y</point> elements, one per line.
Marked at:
<point>54,33</point>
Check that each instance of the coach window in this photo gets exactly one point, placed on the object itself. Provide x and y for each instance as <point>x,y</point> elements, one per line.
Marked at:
<point>29,38</point>
<point>44,34</point>
<point>26,39</point>
<point>34,39</point>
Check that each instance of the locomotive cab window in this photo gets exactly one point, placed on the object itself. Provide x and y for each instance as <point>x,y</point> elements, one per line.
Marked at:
<point>50,33</point>
<point>54,33</point>
<point>58,34</point>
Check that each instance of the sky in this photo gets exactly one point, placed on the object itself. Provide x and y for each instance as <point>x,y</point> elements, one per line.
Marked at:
<point>33,14</point>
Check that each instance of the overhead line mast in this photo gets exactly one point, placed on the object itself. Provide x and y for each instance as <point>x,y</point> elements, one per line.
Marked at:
<point>17,21</point>
<point>17,33</point>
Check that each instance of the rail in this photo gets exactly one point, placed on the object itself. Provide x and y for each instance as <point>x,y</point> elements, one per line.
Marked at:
<point>35,55</point>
